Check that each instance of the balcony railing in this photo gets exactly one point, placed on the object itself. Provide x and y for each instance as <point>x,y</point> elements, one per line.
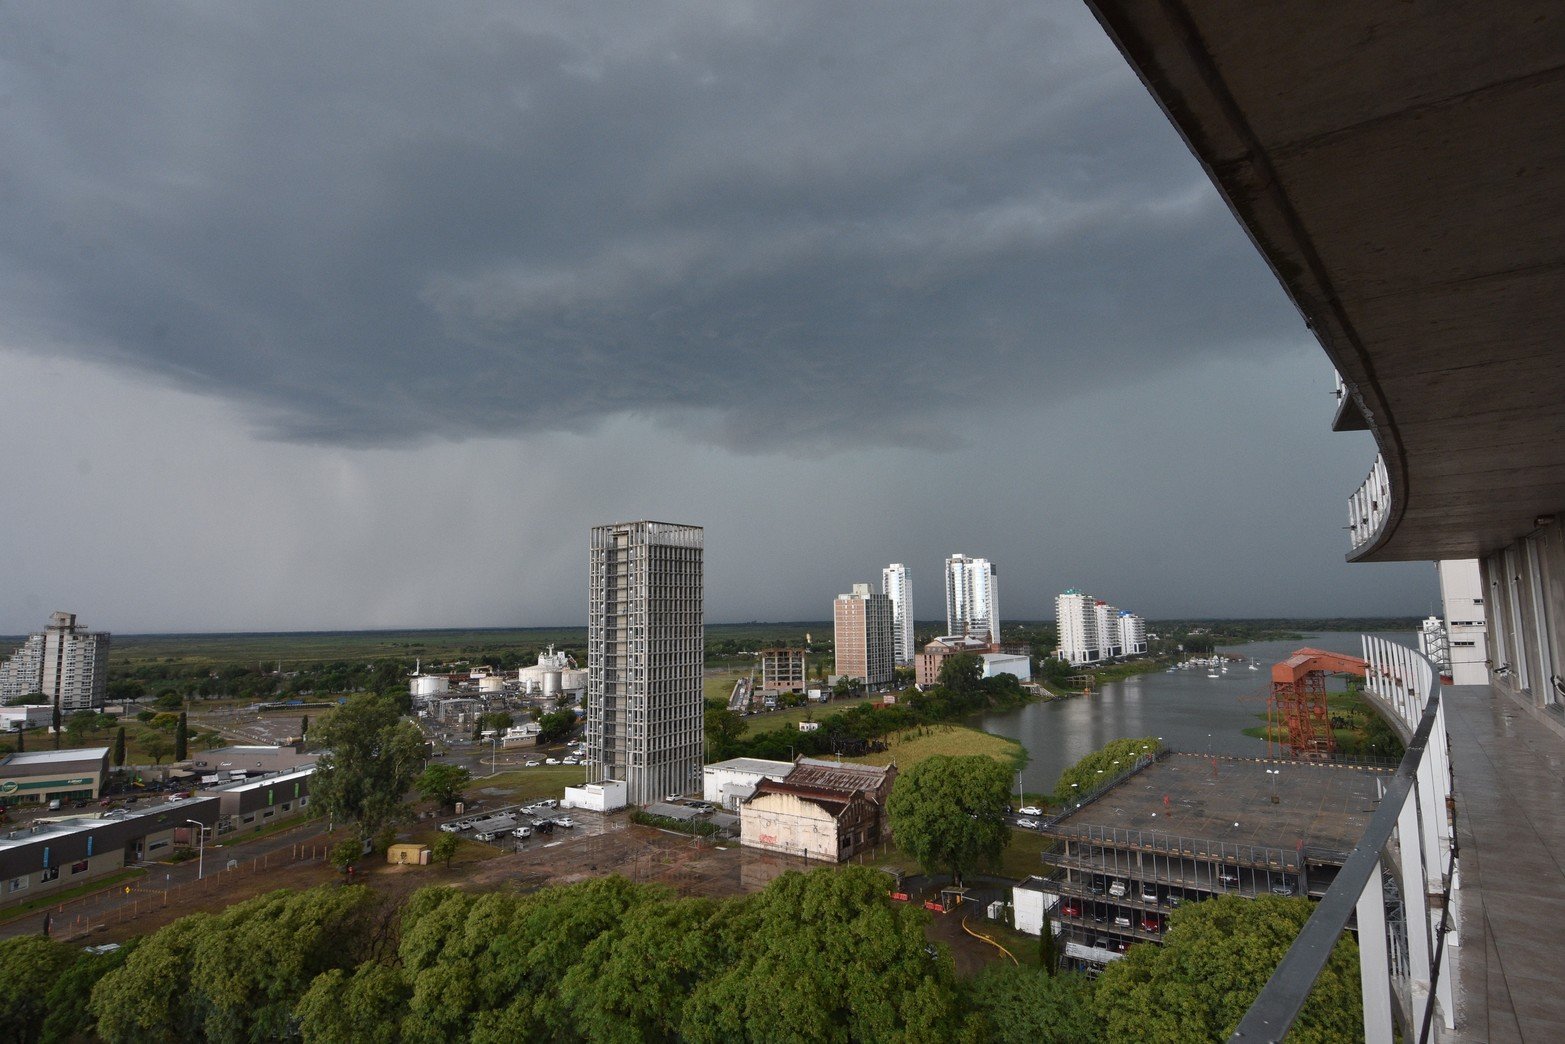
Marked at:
<point>1409,836</point>
<point>1369,505</point>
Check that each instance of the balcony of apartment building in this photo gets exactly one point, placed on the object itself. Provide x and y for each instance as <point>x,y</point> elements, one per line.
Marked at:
<point>1399,166</point>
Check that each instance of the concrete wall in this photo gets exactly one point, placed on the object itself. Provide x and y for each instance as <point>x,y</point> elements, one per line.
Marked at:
<point>785,823</point>
<point>1524,587</point>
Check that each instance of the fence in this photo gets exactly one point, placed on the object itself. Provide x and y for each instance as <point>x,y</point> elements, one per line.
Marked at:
<point>1409,837</point>
<point>76,918</point>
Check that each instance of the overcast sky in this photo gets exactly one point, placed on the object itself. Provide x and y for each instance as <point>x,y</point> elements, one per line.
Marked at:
<point>341,315</point>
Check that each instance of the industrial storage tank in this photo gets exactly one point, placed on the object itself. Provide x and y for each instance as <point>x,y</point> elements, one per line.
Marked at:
<point>429,684</point>
<point>551,683</point>
<point>573,679</point>
<point>491,683</point>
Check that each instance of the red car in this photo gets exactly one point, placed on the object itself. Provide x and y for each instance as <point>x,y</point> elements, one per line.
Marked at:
<point>1067,910</point>
<point>1151,924</point>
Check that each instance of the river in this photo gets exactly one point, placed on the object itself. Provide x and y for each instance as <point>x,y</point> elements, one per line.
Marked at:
<point>1186,709</point>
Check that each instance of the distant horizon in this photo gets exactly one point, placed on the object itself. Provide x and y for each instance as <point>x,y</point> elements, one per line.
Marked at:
<point>920,624</point>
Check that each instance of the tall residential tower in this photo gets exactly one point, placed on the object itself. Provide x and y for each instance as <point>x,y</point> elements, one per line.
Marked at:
<point>864,641</point>
<point>66,662</point>
<point>645,647</point>
<point>895,586</point>
<point>972,598</point>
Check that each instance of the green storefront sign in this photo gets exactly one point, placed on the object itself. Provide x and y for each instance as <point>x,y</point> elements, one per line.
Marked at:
<point>11,786</point>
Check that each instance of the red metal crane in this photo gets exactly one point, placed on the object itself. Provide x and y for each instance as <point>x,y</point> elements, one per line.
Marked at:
<point>1297,707</point>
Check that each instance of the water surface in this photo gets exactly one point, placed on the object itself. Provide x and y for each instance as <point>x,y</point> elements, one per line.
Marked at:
<point>1188,710</point>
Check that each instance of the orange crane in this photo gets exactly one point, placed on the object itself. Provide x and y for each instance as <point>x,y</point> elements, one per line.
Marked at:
<point>1297,707</point>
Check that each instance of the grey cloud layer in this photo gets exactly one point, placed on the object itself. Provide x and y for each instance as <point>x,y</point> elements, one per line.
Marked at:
<point>373,225</point>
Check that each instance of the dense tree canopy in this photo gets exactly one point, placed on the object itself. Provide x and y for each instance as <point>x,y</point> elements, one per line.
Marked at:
<point>372,757</point>
<point>237,975</point>
<point>949,812</point>
<point>1026,1005</point>
<point>1214,960</point>
<point>443,784</point>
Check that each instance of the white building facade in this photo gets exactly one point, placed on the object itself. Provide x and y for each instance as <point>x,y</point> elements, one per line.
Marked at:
<point>1132,634</point>
<point>645,645</point>
<point>972,598</point>
<point>1466,620</point>
<point>22,673</point>
<point>1076,616</point>
<point>1108,630</point>
<point>66,662</point>
<point>894,584</point>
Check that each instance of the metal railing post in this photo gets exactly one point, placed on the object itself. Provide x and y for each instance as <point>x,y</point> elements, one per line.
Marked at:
<point>1374,961</point>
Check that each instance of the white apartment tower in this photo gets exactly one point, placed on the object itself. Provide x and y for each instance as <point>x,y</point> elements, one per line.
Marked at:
<point>894,585</point>
<point>1108,630</point>
<point>972,598</point>
<point>1132,634</point>
<point>645,646</point>
<point>863,640</point>
<point>22,674</point>
<point>1076,616</point>
<point>66,662</point>
<point>1466,628</point>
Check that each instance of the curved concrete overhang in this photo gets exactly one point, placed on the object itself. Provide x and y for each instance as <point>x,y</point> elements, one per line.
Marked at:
<point>1401,167</point>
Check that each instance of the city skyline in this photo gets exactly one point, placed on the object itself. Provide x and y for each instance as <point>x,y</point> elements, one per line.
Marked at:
<point>274,365</point>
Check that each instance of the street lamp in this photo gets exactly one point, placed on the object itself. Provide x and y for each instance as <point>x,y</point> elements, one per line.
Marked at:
<point>200,848</point>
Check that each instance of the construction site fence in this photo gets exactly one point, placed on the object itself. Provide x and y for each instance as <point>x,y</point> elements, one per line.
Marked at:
<point>122,904</point>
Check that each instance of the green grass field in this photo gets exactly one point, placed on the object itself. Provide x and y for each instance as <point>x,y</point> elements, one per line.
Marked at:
<point>910,747</point>
<point>791,717</point>
<point>526,784</point>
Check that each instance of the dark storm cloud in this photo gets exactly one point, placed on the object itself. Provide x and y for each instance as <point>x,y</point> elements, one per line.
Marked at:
<point>378,223</point>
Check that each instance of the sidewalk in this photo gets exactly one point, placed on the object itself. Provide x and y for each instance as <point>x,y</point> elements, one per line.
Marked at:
<point>1510,809</point>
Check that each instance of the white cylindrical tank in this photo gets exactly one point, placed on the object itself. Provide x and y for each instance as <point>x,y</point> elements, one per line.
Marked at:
<point>429,684</point>
<point>551,682</point>
<point>573,680</point>
<point>491,683</point>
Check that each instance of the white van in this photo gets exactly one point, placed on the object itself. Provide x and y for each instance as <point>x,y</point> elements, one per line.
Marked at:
<point>1117,888</point>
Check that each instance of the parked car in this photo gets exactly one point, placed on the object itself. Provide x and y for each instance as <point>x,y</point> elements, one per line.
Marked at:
<point>522,832</point>
<point>565,821</point>
<point>1282,889</point>
<point>1151,924</point>
<point>1121,921</point>
<point>551,761</point>
<point>487,835</point>
<point>1117,888</point>
<point>451,828</point>
<point>1096,887</point>
<point>1027,824</point>
<point>1030,810</point>
<point>1070,910</point>
<point>1148,894</point>
<point>533,763</point>
<point>548,803</point>
<point>1228,877</point>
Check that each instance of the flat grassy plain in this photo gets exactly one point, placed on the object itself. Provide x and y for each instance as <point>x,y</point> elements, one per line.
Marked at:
<point>791,717</point>
<point>914,745</point>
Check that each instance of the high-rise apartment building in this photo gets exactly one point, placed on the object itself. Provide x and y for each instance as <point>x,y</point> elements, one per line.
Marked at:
<point>972,598</point>
<point>1466,620</point>
<point>22,673</point>
<point>895,586</point>
<point>1108,630</point>
<point>645,646</point>
<point>1076,617</point>
<point>1132,634</point>
<point>864,643</point>
<point>66,662</point>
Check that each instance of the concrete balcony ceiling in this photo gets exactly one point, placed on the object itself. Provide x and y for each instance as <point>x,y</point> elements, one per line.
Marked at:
<point>1401,167</point>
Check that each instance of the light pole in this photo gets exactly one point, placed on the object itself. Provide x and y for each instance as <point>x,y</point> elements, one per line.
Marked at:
<point>200,848</point>
<point>494,753</point>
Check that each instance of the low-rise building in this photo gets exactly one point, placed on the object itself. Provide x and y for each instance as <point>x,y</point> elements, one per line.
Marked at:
<point>253,804</point>
<point>934,654</point>
<point>46,775</point>
<point>1185,829</point>
<point>821,809</point>
<point>727,783</point>
<point>50,856</point>
<point>783,670</point>
<point>996,664</point>
<point>605,795</point>
<point>252,759</point>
